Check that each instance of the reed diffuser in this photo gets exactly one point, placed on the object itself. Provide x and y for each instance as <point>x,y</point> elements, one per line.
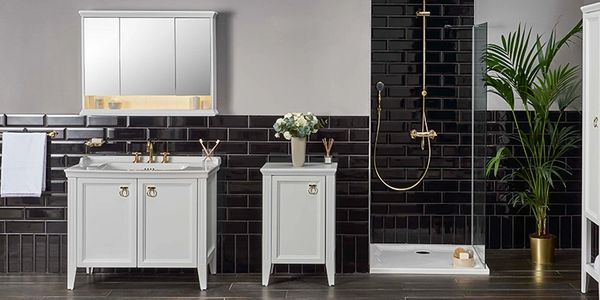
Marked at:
<point>328,143</point>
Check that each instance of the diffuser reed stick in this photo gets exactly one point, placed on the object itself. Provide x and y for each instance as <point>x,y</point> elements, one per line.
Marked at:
<point>328,143</point>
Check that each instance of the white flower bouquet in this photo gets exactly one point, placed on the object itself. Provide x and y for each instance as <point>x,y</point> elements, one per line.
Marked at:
<point>298,125</point>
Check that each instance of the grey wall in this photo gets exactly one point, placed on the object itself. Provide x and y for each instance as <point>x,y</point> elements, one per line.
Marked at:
<point>541,15</point>
<point>275,56</point>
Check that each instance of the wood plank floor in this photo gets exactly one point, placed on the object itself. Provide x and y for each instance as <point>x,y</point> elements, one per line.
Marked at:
<point>512,277</point>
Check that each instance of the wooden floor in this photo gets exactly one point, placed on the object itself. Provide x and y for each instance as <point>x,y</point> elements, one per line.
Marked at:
<point>512,277</point>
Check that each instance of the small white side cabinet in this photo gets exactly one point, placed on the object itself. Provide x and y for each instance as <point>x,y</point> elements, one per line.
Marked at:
<point>298,216</point>
<point>591,139</point>
<point>142,215</point>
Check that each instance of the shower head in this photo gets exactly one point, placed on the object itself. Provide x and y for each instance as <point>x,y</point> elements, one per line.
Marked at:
<point>380,86</point>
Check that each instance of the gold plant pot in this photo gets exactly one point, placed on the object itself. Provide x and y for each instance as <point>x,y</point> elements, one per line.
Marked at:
<point>542,248</point>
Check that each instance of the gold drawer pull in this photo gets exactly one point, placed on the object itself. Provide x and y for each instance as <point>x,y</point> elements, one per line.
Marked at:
<point>151,191</point>
<point>124,191</point>
<point>312,189</point>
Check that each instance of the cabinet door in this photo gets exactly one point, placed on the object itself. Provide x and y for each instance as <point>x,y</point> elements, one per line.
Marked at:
<point>591,121</point>
<point>106,222</point>
<point>101,56</point>
<point>167,223</point>
<point>298,219</point>
<point>193,56</point>
<point>147,56</point>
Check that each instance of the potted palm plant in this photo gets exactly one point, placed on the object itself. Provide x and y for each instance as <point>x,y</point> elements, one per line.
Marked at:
<point>522,69</point>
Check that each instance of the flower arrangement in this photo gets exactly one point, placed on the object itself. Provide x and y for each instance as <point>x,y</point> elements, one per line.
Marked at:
<point>298,125</point>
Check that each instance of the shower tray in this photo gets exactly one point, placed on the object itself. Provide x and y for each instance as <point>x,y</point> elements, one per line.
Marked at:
<point>420,259</point>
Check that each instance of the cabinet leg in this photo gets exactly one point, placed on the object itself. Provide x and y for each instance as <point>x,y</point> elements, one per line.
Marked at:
<point>87,270</point>
<point>202,277</point>
<point>330,268</point>
<point>71,272</point>
<point>272,268</point>
<point>267,268</point>
<point>213,264</point>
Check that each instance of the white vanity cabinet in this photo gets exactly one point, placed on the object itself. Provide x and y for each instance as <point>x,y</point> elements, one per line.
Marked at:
<point>172,243</point>
<point>106,222</point>
<point>149,63</point>
<point>142,215</point>
<point>298,216</point>
<point>591,140</point>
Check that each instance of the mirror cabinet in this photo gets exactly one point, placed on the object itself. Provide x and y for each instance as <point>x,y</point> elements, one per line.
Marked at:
<point>148,63</point>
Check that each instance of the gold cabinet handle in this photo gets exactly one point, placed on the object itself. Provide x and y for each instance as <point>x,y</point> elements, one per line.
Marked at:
<point>595,122</point>
<point>124,191</point>
<point>151,191</point>
<point>312,189</point>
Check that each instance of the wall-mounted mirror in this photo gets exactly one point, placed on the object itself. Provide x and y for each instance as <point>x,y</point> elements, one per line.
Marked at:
<point>148,63</point>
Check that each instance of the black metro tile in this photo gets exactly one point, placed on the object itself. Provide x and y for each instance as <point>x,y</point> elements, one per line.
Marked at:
<point>168,133</point>
<point>25,201</point>
<point>70,147</point>
<point>244,213</point>
<point>147,121</point>
<point>262,121</point>
<point>7,213</point>
<point>26,253</point>
<point>84,133</point>
<point>336,134</point>
<point>126,133</point>
<point>188,121</point>
<point>239,161</point>
<point>268,148</point>
<point>208,134</point>
<point>65,120</point>
<point>241,254</point>
<point>108,121</point>
<point>349,122</point>
<point>228,121</point>
<point>24,120</point>
<point>248,134</point>
<point>45,213</point>
<point>244,187</point>
<point>24,227</point>
<point>14,253</point>
<point>56,227</point>
<point>231,148</point>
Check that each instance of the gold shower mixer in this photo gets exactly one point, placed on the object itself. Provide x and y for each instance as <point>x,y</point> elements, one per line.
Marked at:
<point>431,134</point>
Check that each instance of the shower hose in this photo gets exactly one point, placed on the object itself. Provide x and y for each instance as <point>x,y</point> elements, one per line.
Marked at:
<point>424,127</point>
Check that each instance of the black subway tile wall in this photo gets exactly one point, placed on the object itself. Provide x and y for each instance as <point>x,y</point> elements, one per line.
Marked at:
<point>33,230</point>
<point>438,210</point>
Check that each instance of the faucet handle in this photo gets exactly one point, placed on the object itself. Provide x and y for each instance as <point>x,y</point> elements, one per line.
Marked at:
<point>137,157</point>
<point>165,157</point>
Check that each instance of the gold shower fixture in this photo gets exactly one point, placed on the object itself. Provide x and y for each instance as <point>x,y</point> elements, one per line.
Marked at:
<point>425,134</point>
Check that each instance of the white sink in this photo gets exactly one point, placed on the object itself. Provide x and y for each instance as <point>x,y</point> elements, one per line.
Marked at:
<point>118,166</point>
<point>178,166</point>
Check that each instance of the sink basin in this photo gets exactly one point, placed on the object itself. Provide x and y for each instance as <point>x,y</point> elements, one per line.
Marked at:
<point>140,167</point>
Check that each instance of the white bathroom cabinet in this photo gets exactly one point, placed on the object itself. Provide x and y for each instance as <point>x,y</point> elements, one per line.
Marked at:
<point>298,216</point>
<point>591,140</point>
<point>150,62</point>
<point>145,218</point>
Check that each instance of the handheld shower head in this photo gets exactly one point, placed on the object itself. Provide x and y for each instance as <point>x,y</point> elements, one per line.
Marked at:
<point>380,86</point>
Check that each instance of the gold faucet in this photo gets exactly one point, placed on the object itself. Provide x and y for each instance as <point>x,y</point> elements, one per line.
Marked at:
<point>150,151</point>
<point>137,158</point>
<point>165,157</point>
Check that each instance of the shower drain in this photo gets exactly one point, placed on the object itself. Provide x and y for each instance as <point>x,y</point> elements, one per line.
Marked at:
<point>423,252</point>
